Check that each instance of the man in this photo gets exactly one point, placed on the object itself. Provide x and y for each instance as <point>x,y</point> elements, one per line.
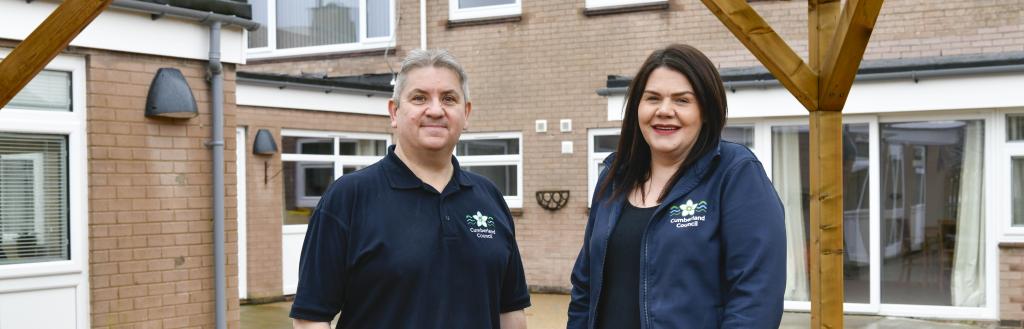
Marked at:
<point>414,241</point>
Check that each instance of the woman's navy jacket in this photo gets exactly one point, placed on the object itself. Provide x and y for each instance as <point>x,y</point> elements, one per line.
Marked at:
<point>713,255</point>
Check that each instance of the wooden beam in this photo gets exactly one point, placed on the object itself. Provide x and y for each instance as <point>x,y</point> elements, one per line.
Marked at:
<point>826,224</point>
<point>769,48</point>
<point>845,53</point>
<point>40,47</point>
<point>826,254</point>
<point>822,16</point>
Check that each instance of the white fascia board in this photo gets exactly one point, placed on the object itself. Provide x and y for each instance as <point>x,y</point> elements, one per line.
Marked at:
<point>127,31</point>
<point>903,95</point>
<point>308,99</point>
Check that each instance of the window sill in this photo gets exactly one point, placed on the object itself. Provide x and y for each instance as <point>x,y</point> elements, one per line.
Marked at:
<point>484,21</point>
<point>268,59</point>
<point>516,212</point>
<point>631,8</point>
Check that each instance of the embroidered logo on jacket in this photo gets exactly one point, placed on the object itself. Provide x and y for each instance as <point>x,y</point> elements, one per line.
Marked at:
<point>481,224</point>
<point>685,215</point>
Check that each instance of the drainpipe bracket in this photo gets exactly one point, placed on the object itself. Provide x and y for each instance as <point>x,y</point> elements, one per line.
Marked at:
<point>212,144</point>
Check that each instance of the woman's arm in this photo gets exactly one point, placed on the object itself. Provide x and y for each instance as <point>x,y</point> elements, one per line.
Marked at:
<point>513,320</point>
<point>754,249</point>
<point>304,324</point>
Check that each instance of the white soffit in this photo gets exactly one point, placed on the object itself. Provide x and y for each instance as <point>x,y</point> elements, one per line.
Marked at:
<point>901,95</point>
<point>310,99</point>
<point>128,31</point>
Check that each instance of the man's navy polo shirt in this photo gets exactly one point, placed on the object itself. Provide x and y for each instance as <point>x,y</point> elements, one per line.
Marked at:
<point>389,251</point>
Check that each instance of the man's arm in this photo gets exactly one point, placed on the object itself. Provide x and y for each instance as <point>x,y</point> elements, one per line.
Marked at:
<point>510,320</point>
<point>305,324</point>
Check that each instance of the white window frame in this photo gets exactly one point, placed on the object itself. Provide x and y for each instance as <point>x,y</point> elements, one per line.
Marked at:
<point>497,160</point>
<point>364,43</point>
<point>73,272</point>
<point>992,156</point>
<point>1010,150</point>
<point>459,14</point>
<point>338,162</point>
<point>598,4</point>
<point>594,159</point>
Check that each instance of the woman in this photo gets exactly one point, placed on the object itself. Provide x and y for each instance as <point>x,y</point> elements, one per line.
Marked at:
<point>685,230</point>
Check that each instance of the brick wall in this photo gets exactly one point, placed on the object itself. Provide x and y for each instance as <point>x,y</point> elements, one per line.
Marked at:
<point>265,200</point>
<point>1011,285</point>
<point>150,224</point>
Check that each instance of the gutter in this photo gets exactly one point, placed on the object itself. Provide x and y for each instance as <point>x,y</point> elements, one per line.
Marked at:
<point>158,10</point>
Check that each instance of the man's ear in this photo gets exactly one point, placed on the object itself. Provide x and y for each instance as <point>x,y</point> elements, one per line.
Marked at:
<point>393,112</point>
<point>469,110</point>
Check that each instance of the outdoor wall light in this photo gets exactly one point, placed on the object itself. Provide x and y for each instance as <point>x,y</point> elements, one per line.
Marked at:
<point>264,143</point>
<point>170,97</point>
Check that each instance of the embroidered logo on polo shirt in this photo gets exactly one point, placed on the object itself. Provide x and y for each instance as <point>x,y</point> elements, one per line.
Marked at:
<point>481,224</point>
<point>687,213</point>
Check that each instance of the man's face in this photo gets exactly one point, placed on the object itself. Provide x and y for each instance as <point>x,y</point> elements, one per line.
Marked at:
<point>433,110</point>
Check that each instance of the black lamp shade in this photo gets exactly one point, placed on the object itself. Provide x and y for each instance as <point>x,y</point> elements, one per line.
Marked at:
<point>170,96</point>
<point>264,143</point>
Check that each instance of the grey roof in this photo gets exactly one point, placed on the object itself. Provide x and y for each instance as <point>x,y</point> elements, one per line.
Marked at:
<point>370,83</point>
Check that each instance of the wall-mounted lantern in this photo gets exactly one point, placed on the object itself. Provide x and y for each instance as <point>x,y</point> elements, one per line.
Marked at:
<point>170,96</point>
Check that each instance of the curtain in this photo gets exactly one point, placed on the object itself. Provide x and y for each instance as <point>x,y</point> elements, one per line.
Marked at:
<point>786,178</point>
<point>968,279</point>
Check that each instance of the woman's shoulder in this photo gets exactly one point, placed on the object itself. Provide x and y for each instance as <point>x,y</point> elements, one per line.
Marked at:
<point>731,153</point>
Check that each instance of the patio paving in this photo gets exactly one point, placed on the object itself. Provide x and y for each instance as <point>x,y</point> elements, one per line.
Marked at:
<point>548,312</point>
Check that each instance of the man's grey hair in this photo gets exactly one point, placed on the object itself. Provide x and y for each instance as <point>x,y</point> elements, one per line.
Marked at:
<point>439,58</point>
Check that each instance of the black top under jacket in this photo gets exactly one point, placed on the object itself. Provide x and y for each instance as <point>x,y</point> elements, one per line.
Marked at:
<point>619,307</point>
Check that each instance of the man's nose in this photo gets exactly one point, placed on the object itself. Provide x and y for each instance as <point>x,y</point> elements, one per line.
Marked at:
<point>435,108</point>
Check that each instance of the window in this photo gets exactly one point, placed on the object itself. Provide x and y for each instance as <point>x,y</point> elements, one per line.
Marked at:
<point>311,161</point>
<point>476,9</point>
<point>595,4</point>
<point>600,144</point>
<point>42,174</point>
<point>1014,157</point>
<point>497,156</point>
<point>301,27</point>
<point>790,175</point>
<point>33,198</point>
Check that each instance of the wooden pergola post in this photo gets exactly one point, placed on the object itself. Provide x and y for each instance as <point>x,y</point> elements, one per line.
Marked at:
<point>45,42</point>
<point>836,44</point>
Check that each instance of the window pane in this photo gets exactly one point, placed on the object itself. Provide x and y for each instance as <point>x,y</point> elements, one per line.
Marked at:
<point>739,135</point>
<point>258,38</point>
<point>48,91</point>
<point>932,221</point>
<point>504,177</point>
<point>605,143</point>
<point>488,147</point>
<point>790,172</point>
<point>1015,127</point>
<point>1017,180</point>
<point>307,145</point>
<point>362,147</point>
<point>304,183</point>
<point>306,23</point>
<point>33,198</point>
<point>483,3</point>
<point>378,16</point>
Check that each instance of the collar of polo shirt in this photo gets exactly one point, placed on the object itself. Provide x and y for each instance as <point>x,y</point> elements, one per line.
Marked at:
<point>401,177</point>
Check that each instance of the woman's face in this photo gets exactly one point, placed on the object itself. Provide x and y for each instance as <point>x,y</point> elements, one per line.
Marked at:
<point>668,114</point>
